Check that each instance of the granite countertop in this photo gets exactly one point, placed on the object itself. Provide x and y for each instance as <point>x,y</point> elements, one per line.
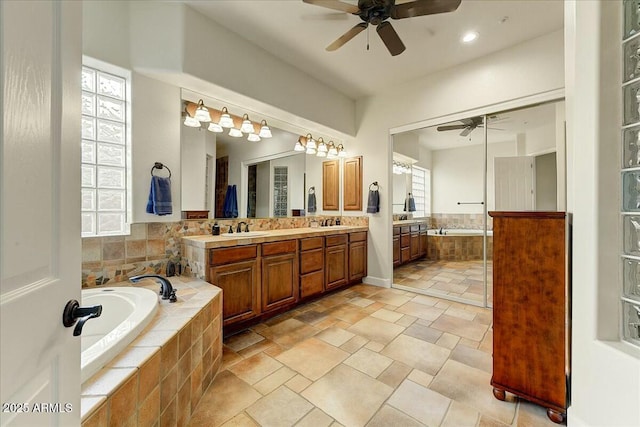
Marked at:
<point>411,221</point>
<point>236,239</point>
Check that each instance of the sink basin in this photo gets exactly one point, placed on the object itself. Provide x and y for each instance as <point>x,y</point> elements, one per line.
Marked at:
<point>244,234</point>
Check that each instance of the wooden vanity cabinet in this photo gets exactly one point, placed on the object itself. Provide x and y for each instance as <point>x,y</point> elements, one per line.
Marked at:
<point>405,244</point>
<point>396,246</point>
<point>352,182</point>
<point>235,271</point>
<point>336,257</point>
<point>414,244</point>
<point>279,274</point>
<point>357,256</point>
<point>423,248</point>
<point>311,266</point>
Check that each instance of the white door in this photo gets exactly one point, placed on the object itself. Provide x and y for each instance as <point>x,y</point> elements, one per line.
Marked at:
<point>514,183</point>
<point>40,248</point>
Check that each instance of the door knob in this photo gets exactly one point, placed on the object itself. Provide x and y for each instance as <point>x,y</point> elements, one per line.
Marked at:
<point>73,312</point>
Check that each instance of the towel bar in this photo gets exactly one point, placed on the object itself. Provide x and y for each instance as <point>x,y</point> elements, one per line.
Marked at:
<point>158,165</point>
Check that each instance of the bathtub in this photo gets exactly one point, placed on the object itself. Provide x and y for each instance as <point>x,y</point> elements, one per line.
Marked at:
<point>459,232</point>
<point>126,311</point>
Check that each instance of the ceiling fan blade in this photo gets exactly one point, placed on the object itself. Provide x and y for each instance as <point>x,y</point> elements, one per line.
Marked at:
<point>423,7</point>
<point>346,36</point>
<point>390,38</point>
<point>330,16</point>
<point>450,127</point>
<point>335,5</point>
<point>467,131</point>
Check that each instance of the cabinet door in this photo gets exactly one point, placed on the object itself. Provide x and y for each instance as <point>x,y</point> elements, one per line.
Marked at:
<point>396,250</point>
<point>312,284</point>
<point>336,266</point>
<point>279,281</point>
<point>423,243</point>
<point>352,192</point>
<point>357,261</point>
<point>414,246</point>
<point>331,185</point>
<point>239,284</point>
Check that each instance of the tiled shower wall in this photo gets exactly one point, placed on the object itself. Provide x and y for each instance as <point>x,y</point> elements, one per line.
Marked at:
<point>461,221</point>
<point>150,245</point>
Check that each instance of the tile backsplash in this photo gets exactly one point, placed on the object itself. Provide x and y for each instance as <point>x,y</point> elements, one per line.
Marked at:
<point>151,245</point>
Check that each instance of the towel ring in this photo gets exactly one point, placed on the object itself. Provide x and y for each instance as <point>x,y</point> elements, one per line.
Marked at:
<point>312,190</point>
<point>374,184</point>
<point>158,165</point>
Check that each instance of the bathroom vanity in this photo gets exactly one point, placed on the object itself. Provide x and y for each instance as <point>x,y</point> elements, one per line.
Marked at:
<point>409,241</point>
<point>264,273</point>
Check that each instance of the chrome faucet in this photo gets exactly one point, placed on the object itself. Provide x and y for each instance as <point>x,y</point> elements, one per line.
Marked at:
<point>239,227</point>
<point>166,290</point>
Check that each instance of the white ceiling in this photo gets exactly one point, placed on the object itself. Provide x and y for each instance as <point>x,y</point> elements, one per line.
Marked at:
<point>298,33</point>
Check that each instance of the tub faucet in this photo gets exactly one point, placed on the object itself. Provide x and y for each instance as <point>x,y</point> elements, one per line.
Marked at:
<point>166,290</point>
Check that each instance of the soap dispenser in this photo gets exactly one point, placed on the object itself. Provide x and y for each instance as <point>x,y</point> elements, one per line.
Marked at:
<point>215,230</point>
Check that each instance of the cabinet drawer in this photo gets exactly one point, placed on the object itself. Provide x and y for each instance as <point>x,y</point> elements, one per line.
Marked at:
<point>311,284</point>
<point>311,243</point>
<point>337,239</point>
<point>277,248</point>
<point>237,253</point>
<point>358,237</point>
<point>311,261</point>
<point>405,240</point>
<point>396,231</point>
<point>415,228</point>
<point>405,229</point>
<point>423,227</point>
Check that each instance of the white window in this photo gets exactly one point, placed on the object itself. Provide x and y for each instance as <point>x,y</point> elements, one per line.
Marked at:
<point>106,148</point>
<point>421,190</point>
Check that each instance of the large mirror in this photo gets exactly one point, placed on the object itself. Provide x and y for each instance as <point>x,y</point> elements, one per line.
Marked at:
<point>456,178</point>
<point>270,178</point>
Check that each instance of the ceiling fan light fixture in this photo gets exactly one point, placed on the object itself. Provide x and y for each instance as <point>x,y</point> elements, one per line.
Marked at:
<point>215,127</point>
<point>265,131</point>
<point>225,119</point>
<point>469,37</point>
<point>235,133</point>
<point>202,113</point>
<point>247,126</point>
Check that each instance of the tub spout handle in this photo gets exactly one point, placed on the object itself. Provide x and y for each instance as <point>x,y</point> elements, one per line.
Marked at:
<point>166,290</point>
<point>74,313</point>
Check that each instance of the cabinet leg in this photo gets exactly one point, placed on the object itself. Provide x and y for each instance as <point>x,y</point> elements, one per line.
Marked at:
<point>555,416</point>
<point>499,394</point>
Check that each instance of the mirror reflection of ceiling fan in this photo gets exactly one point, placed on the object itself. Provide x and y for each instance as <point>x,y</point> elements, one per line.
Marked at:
<point>377,13</point>
<point>469,125</point>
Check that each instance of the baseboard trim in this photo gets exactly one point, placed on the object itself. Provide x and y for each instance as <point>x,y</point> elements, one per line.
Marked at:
<point>377,281</point>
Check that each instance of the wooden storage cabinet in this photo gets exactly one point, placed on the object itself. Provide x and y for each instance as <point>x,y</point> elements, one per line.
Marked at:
<point>409,243</point>
<point>530,308</point>
<point>311,266</point>
<point>279,275</point>
<point>396,246</point>
<point>235,271</point>
<point>336,261</point>
<point>357,256</point>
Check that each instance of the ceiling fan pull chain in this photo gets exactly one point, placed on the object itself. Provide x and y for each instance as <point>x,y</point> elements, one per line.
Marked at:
<point>367,38</point>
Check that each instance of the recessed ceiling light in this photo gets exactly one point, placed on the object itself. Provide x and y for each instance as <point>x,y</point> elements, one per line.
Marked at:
<point>469,37</point>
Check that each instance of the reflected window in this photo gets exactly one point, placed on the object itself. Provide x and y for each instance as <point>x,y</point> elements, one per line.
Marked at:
<point>106,141</point>
<point>421,190</point>
<point>280,190</point>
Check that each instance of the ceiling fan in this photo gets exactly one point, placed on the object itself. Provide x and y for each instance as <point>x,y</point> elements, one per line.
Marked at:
<point>376,12</point>
<point>469,125</point>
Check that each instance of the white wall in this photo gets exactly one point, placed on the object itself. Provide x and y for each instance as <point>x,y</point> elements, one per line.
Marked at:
<point>195,145</point>
<point>605,380</point>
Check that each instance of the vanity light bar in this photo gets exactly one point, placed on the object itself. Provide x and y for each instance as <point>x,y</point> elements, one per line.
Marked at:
<point>319,148</point>
<point>197,114</point>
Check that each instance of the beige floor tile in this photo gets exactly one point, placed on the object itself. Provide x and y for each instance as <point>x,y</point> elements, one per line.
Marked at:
<point>532,415</point>
<point>388,315</point>
<point>448,340</point>
<point>374,346</point>
<point>425,300</point>
<point>376,330</point>
<point>460,415</point>
<point>424,333</point>
<point>486,421</point>
<point>472,357</point>
<point>298,383</point>
<point>361,302</point>
<point>420,310</point>
<point>347,313</point>
<point>255,368</point>
<point>240,420</point>
<point>417,353</point>
<point>354,344</point>
<point>471,387</point>
<point>406,320</point>
<point>225,398</point>
<point>312,358</point>
<point>315,418</point>
<point>243,340</point>
<point>275,380</point>
<point>348,395</point>
<point>335,336</point>
<point>419,377</point>
<point>388,416</point>
<point>419,402</point>
<point>256,348</point>
<point>461,313</point>
<point>394,374</point>
<point>282,407</point>
<point>391,298</point>
<point>369,362</point>
<point>460,327</point>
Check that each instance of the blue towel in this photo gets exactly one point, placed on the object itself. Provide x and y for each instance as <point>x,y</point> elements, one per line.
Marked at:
<point>311,203</point>
<point>160,196</point>
<point>409,204</point>
<point>231,202</point>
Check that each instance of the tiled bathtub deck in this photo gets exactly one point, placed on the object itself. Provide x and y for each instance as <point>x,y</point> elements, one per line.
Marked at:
<point>364,356</point>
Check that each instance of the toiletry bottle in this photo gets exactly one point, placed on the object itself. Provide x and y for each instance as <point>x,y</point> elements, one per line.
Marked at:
<point>215,230</point>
